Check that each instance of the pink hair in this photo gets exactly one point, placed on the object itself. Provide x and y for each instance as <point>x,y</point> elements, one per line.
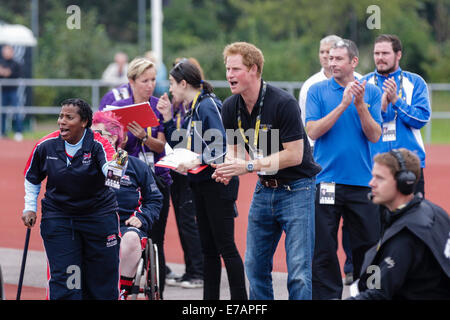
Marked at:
<point>111,122</point>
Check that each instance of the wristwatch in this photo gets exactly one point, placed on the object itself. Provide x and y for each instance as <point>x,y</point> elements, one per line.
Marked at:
<point>250,166</point>
<point>144,139</point>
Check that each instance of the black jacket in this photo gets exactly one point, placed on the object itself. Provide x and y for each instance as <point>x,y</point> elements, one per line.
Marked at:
<point>413,256</point>
<point>138,194</point>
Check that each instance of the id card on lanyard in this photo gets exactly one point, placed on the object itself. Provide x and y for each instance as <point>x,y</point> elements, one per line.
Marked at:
<point>255,152</point>
<point>390,130</point>
<point>147,156</point>
<point>114,174</point>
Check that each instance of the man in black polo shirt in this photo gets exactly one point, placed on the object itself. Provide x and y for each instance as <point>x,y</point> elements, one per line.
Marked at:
<point>266,120</point>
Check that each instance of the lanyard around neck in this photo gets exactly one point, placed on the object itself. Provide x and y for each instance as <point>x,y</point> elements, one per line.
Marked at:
<point>258,120</point>
<point>191,123</point>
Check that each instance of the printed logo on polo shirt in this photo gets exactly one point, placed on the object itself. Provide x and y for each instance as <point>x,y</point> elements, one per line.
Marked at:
<point>265,127</point>
<point>111,240</point>
<point>125,181</point>
<point>87,158</point>
<point>390,262</point>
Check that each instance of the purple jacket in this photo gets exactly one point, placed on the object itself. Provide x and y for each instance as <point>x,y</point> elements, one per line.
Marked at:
<point>122,92</point>
<point>134,145</point>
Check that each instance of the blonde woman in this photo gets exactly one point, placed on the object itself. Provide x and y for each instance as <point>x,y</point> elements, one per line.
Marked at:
<point>148,144</point>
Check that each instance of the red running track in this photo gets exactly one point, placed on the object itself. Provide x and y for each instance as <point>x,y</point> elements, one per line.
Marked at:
<point>12,230</point>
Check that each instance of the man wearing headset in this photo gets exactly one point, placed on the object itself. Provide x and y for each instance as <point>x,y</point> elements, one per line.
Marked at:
<point>412,259</point>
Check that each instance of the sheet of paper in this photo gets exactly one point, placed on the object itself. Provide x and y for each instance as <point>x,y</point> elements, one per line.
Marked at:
<point>177,156</point>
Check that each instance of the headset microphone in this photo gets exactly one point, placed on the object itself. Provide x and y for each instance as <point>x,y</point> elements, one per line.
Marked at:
<point>406,179</point>
<point>370,196</point>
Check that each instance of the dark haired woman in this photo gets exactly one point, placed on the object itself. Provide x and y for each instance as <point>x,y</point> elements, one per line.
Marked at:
<point>205,135</point>
<point>79,225</point>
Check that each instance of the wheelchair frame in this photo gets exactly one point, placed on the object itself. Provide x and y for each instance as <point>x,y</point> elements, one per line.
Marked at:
<point>2,290</point>
<point>148,271</point>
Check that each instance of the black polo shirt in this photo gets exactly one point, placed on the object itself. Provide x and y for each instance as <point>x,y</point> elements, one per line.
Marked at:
<point>280,123</point>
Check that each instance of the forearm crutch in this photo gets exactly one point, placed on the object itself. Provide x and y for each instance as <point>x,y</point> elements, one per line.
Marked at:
<point>24,260</point>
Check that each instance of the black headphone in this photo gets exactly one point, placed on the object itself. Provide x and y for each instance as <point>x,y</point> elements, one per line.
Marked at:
<point>406,179</point>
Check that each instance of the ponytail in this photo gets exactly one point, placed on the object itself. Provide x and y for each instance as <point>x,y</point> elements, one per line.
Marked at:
<point>206,86</point>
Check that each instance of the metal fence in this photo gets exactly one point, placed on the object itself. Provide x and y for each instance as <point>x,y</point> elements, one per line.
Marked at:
<point>96,85</point>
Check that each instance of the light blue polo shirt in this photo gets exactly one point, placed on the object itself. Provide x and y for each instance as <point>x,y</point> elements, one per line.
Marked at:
<point>343,152</point>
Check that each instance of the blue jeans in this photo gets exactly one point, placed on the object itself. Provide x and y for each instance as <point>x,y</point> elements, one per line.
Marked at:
<point>10,99</point>
<point>273,211</point>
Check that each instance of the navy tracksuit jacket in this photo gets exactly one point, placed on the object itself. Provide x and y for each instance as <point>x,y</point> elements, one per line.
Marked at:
<point>79,226</point>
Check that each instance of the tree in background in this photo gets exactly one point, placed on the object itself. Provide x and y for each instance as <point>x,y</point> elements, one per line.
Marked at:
<point>288,31</point>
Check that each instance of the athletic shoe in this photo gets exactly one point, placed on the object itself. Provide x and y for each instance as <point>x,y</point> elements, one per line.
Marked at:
<point>192,283</point>
<point>18,136</point>
<point>175,279</point>
<point>170,274</point>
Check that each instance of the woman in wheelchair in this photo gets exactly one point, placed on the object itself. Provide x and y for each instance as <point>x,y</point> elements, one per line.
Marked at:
<point>138,197</point>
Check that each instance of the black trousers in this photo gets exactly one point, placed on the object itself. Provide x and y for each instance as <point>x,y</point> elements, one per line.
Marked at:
<point>158,232</point>
<point>185,216</point>
<point>362,220</point>
<point>215,215</point>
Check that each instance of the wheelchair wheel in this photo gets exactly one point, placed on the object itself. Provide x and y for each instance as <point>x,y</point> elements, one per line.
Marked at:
<point>135,290</point>
<point>151,288</point>
<point>2,291</point>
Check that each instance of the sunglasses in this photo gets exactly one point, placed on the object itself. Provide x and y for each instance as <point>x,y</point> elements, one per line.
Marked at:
<point>103,133</point>
<point>178,61</point>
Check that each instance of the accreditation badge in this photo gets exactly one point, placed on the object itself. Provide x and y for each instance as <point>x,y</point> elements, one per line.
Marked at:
<point>327,193</point>
<point>148,158</point>
<point>113,175</point>
<point>389,131</point>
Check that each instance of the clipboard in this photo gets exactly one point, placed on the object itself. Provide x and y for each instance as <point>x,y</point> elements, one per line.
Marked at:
<point>142,113</point>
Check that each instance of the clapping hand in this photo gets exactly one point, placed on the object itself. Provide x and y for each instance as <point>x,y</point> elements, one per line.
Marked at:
<point>358,90</point>
<point>390,89</point>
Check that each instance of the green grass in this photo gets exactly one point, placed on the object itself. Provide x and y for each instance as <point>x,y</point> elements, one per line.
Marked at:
<point>440,131</point>
<point>440,100</point>
<point>440,128</point>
